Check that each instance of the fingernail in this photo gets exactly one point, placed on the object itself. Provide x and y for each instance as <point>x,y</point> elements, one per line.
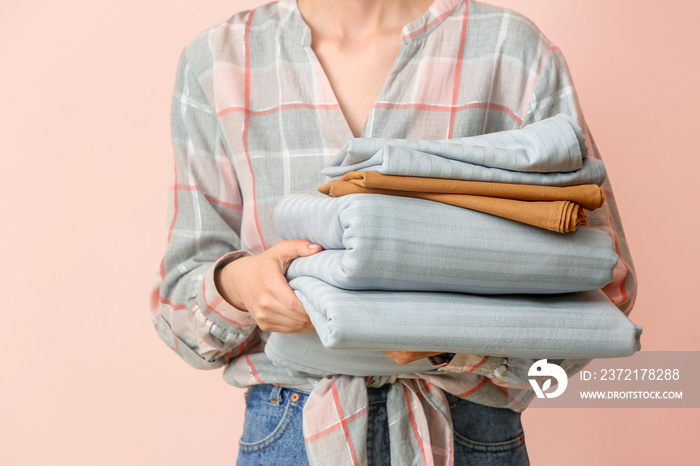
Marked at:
<point>313,246</point>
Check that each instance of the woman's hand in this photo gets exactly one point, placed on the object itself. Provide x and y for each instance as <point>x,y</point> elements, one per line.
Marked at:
<point>257,284</point>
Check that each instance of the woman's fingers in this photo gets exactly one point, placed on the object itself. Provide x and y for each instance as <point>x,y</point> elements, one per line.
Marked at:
<point>278,303</point>
<point>272,321</point>
<point>257,284</point>
<point>287,251</point>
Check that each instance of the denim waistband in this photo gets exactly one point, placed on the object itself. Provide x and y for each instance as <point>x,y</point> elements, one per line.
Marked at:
<point>276,394</point>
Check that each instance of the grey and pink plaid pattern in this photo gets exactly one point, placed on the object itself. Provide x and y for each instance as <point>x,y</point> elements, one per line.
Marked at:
<point>335,424</point>
<point>254,118</point>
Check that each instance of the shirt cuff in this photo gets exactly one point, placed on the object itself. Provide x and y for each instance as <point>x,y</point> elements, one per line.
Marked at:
<point>214,306</point>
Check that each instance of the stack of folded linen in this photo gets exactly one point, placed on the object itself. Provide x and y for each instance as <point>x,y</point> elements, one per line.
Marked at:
<point>551,152</point>
<point>403,272</point>
<point>554,208</point>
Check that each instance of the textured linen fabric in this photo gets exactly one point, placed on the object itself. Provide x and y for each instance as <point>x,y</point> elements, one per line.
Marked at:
<point>397,160</point>
<point>558,216</point>
<point>554,208</point>
<point>588,196</point>
<point>305,352</point>
<point>551,152</point>
<point>571,325</point>
<point>382,242</point>
<point>555,144</point>
<point>254,118</point>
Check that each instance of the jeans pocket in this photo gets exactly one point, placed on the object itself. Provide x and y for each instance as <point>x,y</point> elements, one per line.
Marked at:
<point>485,435</point>
<point>469,452</point>
<point>270,412</point>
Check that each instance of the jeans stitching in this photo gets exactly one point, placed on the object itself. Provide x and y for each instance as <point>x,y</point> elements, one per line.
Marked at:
<point>278,432</point>
<point>491,447</point>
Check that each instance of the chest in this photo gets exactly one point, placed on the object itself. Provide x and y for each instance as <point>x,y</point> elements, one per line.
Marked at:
<point>357,73</point>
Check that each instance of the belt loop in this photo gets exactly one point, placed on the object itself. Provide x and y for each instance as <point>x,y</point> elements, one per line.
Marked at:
<point>275,395</point>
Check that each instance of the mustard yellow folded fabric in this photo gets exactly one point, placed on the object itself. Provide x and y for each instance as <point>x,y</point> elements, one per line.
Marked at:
<point>554,208</point>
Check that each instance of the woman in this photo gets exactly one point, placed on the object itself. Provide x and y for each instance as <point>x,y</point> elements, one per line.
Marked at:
<point>261,102</point>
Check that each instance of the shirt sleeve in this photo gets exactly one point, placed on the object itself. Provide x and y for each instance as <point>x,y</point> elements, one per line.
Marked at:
<point>554,93</point>
<point>204,221</point>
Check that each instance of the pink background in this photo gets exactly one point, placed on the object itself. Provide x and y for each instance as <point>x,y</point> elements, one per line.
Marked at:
<point>85,94</point>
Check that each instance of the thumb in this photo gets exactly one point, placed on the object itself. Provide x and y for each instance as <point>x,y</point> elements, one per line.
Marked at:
<point>289,250</point>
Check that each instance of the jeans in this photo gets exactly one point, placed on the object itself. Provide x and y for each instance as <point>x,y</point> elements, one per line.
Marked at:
<point>272,433</point>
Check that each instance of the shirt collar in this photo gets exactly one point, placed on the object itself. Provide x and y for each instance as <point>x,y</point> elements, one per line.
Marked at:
<point>294,25</point>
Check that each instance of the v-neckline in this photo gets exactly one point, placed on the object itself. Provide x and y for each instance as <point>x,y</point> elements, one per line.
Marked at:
<point>410,32</point>
<point>384,89</point>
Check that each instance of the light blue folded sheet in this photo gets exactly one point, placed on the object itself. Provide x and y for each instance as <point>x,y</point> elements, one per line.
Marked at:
<point>304,352</point>
<point>410,274</point>
<point>377,242</point>
<point>571,325</point>
<point>551,152</point>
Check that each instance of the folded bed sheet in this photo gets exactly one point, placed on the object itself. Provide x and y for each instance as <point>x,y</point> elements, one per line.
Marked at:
<point>377,242</point>
<point>305,352</point>
<point>588,196</point>
<point>555,208</point>
<point>551,152</point>
<point>570,325</point>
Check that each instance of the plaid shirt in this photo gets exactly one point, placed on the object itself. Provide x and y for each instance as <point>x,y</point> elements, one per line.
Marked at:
<point>255,118</point>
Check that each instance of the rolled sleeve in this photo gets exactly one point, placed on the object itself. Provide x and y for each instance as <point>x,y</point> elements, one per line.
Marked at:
<point>205,219</point>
